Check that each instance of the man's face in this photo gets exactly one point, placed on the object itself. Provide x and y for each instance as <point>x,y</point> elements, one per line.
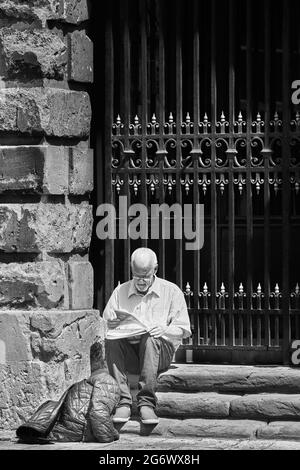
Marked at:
<point>142,278</point>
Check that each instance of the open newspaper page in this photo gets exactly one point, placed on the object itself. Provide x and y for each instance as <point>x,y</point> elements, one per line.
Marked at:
<point>129,326</point>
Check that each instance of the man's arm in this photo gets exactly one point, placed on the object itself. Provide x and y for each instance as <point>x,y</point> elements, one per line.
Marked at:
<point>109,312</point>
<point>178,320</point>
<point>173,331</point>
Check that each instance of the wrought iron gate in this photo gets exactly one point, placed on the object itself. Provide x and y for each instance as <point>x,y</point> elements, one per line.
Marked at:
<point>198,110</point>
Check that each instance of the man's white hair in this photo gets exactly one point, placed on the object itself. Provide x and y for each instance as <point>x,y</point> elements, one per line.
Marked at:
<point>144,255</point>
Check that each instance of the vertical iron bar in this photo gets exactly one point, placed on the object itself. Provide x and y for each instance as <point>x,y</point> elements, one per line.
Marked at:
<point>196,119</point>
<point>144,75</point>
<point>161,118</point>
<point>267,154</point>
<point>249,209</point>
<point>286,183</point>
<point>213,172</point>
<point>109,92</point>
<point>179,245</point>
<point>126,110</point>
<point>205,329</point>
<point>241,328</point>
<point>231,153</point>
<point>258,327</point>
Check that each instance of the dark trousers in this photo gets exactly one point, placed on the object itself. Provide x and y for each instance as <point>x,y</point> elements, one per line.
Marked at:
<point>147,358</point>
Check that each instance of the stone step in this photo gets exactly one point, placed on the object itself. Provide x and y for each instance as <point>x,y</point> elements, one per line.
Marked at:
<point>189,428</point>
<point>261,406</point>
<point>213,428</point>
<point>230,379</point>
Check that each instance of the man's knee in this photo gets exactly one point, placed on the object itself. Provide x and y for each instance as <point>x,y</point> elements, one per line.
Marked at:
<point>113,348</point>
<point>150,343</point>
<point>148,339</point>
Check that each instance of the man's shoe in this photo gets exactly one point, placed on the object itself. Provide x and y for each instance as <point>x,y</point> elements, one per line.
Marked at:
<point>148,415</point>
<point>122,414</point>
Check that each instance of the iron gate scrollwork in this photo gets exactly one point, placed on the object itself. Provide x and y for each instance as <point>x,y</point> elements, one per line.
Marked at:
<point>187,123</point>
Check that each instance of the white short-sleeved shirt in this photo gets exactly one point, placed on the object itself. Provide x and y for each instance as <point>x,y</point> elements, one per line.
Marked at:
<point>164,304</point>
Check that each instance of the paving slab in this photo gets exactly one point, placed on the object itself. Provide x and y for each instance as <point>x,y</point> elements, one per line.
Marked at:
<point>169,444</point>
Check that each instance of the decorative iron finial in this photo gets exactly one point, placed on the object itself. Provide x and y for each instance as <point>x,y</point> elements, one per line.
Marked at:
<point>259,289</point>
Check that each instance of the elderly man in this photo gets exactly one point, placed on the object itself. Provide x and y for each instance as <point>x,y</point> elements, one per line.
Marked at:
<point>161,306</point>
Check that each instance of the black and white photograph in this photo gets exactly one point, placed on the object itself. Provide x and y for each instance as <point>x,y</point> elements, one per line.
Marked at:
<point>149,224</point>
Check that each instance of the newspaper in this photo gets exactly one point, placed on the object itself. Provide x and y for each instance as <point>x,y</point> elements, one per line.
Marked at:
<point>130,325</point>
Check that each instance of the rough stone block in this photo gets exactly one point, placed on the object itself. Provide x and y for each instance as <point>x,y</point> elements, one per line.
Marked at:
<point>69,11</point>
<point>26,384</point>
<point>74,11</point>
<point>80,57</point>
<point>202,405</point>
<point>32,54</point>
<point>42,169</point>
<point>48,335</point>
<point>280,430</point>
<point>14,337</point>
<point>32,285</point>
<point>81,170</point>
<point>32,10</point>
<point>45,111</point>
<point>64,335</point>
<point>266,406</point>
<point>81,283</point>
<point>53,228</point>
<point>46,169</point>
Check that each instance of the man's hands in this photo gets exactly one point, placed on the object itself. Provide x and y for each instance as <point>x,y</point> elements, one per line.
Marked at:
<point>157,331</point>
<point>113,323</point>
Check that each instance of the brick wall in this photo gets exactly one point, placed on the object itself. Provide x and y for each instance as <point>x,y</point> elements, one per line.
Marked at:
<point>47,321</point>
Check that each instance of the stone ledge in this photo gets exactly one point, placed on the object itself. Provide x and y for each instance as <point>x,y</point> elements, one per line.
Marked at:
<point>52,112</point>
<point>46,169</point>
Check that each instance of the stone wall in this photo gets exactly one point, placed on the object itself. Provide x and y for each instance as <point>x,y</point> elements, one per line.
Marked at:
<point>47,321</point>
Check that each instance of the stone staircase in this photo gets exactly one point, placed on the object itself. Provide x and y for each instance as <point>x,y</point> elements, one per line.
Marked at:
<point>224,401</point>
